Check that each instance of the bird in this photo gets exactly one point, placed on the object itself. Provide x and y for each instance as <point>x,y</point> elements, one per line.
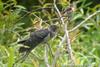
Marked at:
<point>37,37</point>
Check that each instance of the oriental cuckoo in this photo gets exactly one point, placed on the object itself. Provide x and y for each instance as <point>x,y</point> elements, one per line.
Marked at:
<point>36,38</point>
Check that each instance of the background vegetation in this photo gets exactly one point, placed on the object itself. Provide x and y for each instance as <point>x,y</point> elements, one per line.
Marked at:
<point>17,17</point>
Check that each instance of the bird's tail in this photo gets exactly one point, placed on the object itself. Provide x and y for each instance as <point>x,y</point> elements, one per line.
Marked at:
<point>24,47</point>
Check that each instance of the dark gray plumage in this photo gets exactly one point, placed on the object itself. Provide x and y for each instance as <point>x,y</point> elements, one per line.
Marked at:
<point>36,38</point>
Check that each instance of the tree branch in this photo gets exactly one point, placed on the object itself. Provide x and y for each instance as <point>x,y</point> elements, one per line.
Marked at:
<point>65,37</point>
<point>89,17</point>
<point>57,53</point>
<point>46,56</point>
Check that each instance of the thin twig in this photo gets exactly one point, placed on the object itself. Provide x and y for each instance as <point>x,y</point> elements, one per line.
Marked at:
<point>54,19</point>
<point>36,57</point>
<point>89,17</point>
<point>46,56</point>
<point>49,47</point>
<point>66,37</point>
<point>58,12</point>
<point>57,53</point>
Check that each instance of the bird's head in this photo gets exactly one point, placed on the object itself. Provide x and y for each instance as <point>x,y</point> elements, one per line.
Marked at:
<point>53,28</point>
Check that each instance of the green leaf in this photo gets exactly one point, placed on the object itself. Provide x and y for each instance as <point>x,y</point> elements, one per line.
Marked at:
<point>1,6</point>
<point>11,57</point>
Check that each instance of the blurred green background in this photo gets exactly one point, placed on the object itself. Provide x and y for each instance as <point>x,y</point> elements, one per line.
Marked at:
<point>17,16</point>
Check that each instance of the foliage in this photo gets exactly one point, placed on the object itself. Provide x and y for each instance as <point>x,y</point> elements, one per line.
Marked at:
<point>16,17</point>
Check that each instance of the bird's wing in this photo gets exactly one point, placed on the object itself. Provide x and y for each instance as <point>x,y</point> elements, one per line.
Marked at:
<point>39,36</point>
